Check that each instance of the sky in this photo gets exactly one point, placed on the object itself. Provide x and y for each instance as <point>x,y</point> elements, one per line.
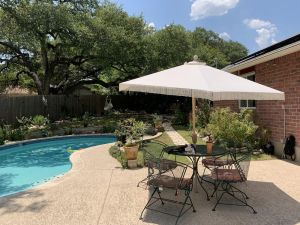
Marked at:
<point>254,23</point>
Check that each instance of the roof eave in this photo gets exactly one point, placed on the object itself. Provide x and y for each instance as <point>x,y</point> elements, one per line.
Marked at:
<point>285,50</point>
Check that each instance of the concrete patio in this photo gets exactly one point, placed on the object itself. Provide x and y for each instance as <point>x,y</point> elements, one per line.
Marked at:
<point>98,192</point>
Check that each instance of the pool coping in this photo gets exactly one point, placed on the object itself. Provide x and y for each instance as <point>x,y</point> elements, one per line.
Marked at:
<point>37,140</point>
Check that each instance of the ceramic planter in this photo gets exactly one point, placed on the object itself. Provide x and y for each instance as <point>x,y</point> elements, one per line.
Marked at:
<point>131,152</point>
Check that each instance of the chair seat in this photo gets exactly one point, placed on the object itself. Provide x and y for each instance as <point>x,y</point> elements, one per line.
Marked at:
<point>170,182</point>
<point>216,162</point>
<point>226,175</point>
<point>164,164</point>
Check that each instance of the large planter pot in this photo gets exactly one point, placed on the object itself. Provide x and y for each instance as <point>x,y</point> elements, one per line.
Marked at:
<point>209,147</point>
<point>131,152</point>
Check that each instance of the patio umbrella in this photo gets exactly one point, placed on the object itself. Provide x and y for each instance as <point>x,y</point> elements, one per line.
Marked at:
<point>197,80</point>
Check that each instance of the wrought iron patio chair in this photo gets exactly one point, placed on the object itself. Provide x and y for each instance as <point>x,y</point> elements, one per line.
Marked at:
<point>226,178</point>
<point>156,153</point>
<point>210,163</point>
<point>161,180</point>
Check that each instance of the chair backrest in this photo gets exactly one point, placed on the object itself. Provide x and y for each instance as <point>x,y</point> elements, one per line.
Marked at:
<point>161,177</point>
<point>152,149</point>
<point>241,160</point>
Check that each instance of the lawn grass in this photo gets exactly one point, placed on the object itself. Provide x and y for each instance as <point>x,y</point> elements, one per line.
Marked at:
<point>155,149</point>
<point>186,133</point>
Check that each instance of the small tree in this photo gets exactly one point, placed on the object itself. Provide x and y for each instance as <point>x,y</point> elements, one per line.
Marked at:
<point>231,128</point>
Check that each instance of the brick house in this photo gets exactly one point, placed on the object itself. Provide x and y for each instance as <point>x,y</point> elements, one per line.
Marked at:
<point>277,66</point>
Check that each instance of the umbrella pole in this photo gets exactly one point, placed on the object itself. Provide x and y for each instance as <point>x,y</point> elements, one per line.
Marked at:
<point>194,135</point>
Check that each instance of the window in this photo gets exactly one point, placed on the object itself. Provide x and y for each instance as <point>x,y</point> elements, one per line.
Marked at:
<point>248,103</point>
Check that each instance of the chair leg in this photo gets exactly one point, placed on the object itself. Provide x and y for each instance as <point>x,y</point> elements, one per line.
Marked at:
<point>160,198</point>
<point>227,190</point>
<point>155,190</point>
<point>244,202</point>
<point>218,201</point>
<point>239,190</point>
<point>215,189</point>
<point>192,204</point>
<point>184,203</point>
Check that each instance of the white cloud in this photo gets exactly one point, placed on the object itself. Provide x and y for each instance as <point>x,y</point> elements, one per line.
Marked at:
<point>204,8</point>
<point>224,36</point>
<point>266,31</point>
<point>151,25</point>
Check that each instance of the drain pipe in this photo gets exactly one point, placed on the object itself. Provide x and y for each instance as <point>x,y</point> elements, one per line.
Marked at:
<point>284,131</point>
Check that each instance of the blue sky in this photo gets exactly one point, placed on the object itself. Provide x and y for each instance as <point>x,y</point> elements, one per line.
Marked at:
<point>255,23</point>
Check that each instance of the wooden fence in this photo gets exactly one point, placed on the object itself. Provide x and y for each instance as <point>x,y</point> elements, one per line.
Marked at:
<point>58,106</point>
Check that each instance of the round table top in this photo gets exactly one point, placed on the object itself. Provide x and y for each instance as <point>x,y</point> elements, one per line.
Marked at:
<point>200,150</point>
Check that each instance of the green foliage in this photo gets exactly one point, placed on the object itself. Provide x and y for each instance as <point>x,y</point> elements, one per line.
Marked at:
<point>180,117</point>
<point>24,122</point>
<point>109,128</point>
<point>131,129</point>
<point>40,121</point>
<point>202,113</point>
<point>85,119</point>
<point>16,134</point>
<point>263,136</point>
<point>2,136</point>
<point>119,155</point>
<point>231,128</point>
<point>68,130</point>
<point>54,46</point>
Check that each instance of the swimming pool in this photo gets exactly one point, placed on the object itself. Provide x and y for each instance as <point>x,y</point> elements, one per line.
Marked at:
<point>27,164</point>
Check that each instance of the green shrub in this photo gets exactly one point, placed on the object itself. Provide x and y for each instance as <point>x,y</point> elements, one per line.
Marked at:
<point>231,128</point>
<point>203,113</point>
<point>2,137</point>
<point>40,120</point>
<point>17,134</point>
<point>68,130</point>
<point>115,152</point>
<point>180,118</point>
<point>24,122</point>
<point>109,128</point>
<point>150,130</point>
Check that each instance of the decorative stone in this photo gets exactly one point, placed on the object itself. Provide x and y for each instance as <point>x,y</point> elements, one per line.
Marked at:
<point>132,164</point>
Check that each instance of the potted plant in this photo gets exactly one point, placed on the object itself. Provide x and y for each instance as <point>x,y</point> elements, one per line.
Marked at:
<point>209,144</point>
<point>133,131</point>
<point>157,120</point>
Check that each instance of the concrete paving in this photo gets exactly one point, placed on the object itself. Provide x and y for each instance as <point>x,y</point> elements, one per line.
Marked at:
<point>98,192</point>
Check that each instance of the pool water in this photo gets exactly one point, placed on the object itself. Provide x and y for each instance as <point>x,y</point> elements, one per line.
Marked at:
<point>26,165</point>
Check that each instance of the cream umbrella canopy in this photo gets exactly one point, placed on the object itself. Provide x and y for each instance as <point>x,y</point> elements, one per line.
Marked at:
<point>197,80</point>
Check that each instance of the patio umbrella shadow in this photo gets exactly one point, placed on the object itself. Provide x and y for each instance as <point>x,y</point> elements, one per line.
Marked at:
<point>273,206</point>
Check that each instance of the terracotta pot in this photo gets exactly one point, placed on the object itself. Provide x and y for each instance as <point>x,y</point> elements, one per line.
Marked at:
<point>131,152</point>
<point>209,147</point>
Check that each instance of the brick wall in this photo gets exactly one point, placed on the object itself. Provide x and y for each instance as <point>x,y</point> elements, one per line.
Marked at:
<point>283,74</point>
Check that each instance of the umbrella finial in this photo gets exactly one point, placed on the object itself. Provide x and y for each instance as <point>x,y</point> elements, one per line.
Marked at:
<point>195,61</point>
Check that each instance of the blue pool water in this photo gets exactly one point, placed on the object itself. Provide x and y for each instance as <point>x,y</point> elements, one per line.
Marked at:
<point>25,165</point>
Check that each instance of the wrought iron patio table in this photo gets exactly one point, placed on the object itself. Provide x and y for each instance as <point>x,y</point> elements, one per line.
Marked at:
<point>199,151</point>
